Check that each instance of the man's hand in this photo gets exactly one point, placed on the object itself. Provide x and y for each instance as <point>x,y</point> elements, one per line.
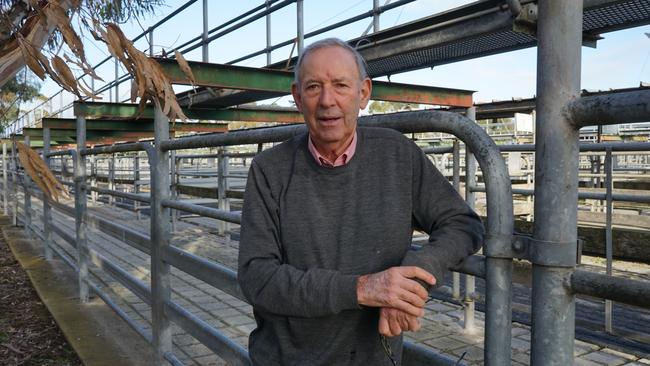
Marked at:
<point>393,322</point>
<point>395,288</point>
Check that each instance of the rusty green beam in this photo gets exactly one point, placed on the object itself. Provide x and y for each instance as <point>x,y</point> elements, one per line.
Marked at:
<point>133,125</point>
<point>71,134</point>
<point>125,111</point>
<point>277,81</point>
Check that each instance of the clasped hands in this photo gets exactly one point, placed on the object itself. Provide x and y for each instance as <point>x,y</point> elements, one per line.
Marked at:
<point>399,296</point>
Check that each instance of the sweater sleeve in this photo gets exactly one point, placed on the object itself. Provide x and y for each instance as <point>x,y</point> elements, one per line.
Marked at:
<point>455,231</point>
<point>270,284</point>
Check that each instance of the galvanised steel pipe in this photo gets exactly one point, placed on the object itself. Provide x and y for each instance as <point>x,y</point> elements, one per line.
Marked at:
<point>262,135</point>
<point>27,205</point>
<point>81,209</point>
<point>131,196</point>
<point>624,107</point>
<point>160,234</point>
<point>5,204</point>
<point>228,350</point>
<point>14,180</point>
<point>500,220</point>
<point>470,198</point>
<point>619,289</point>
<point>47,210</point>
<point>559,33</point>
<point>583,195</point>
<point>203,211</point>
<point>134,146</point>
<point>584,147</point>
<point>59,153</point>
<point>215,274</point>
<point>438,150</point>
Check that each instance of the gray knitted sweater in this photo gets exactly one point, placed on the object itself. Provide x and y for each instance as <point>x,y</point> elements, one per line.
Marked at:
<point>308,232</point>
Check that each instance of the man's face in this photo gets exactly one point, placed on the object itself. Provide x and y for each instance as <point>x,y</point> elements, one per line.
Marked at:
<point>330,95</point>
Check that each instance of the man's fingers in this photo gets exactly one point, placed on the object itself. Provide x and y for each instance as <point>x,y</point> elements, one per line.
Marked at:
<point>417,289</point>
<point>409,309</point>
<point>419,273</point>
<point>384,329</point>
<point>412,298</point>
<point>404,322</point>
<point>414,324</point>
<point>395,328</point>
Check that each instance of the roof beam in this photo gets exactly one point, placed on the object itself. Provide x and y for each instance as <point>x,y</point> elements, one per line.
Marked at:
<point>131,125</point>
<point>124,111</point>
<point>277,81</point>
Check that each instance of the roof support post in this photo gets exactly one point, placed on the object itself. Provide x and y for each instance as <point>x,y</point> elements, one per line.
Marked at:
<point>556,183</point>
<point>204,37</point>
<point>300,26</point>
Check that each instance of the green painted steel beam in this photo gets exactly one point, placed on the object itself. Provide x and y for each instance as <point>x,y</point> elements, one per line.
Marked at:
<point>277,81</point>
<point>132,125</point>
<point>71,134</point>
<point>125,111</point>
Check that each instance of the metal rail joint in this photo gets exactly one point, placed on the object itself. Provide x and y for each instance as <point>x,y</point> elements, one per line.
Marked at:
<point>545,253</point>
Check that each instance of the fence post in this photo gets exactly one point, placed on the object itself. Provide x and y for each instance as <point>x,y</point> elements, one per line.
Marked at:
<point>609,250</point>
<point>470,198</point>
<point>456,184</point>
<point>160,278</point>
<point>222,191</point>
<point>5,204</point>
<point>111,178</point>
<point>136,183</point>
<point>14,179</point>
<point>27,208</point>
<point>559,34</point>
<point>93,178</point>
<point>47,210</point>
<point>81,238</point>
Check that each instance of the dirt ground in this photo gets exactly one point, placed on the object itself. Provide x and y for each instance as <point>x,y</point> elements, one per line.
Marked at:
<point>28,334</point>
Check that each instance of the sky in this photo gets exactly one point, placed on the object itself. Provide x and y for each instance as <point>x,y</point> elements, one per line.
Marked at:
<point>621,59</point>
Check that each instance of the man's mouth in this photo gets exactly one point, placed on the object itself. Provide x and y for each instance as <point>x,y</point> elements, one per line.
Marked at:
<point>328,120</point>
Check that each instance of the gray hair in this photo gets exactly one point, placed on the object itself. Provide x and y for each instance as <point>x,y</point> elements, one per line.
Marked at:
<point>330,42</point>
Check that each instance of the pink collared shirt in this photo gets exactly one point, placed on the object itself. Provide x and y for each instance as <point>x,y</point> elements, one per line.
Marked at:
<point>341,160</point>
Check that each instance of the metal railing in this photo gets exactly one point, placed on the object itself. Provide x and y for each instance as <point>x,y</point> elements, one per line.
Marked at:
<point>495,266</point>
<point>164,255</point>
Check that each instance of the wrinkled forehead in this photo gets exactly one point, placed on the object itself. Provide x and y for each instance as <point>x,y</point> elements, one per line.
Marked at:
<point>330,58</point>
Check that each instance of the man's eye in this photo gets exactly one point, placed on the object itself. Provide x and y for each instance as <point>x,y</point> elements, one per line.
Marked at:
<point>312,87</point>
<point>341,85</point>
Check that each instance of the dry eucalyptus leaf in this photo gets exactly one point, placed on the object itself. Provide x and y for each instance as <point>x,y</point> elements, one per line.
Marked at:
<point>41,175</point>
<point>185,67</point>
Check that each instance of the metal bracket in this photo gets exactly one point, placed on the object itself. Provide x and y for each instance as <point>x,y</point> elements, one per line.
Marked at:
<point>526,20</point>
<point>545,253</point>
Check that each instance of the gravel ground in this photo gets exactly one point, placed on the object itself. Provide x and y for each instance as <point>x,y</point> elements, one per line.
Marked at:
<point>28,334</point>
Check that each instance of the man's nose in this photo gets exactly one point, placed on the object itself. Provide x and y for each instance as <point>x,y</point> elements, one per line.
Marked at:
<point>327,96</point>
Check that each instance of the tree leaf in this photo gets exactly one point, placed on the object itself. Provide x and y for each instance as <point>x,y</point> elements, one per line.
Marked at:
<point>185,67</point>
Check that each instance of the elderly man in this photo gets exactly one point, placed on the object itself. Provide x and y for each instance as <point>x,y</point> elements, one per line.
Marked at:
<point>325,253</point>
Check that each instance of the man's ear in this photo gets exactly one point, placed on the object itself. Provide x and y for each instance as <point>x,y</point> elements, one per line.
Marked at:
<point>296,96</point>
<point>366,90</point>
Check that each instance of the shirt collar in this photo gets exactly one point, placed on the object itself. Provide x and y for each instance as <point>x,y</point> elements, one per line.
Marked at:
<point>341,160</point>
